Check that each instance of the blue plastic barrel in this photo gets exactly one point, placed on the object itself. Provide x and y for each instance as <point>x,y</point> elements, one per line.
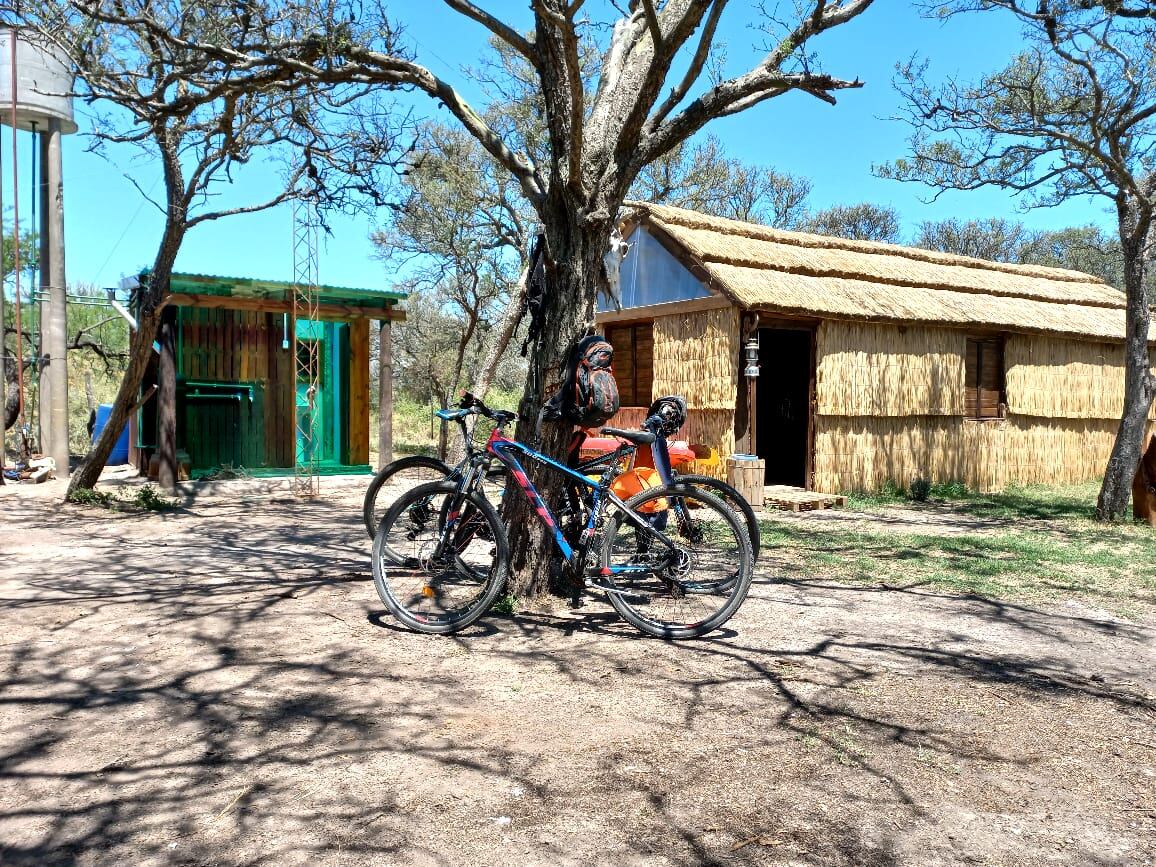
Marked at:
<point>119,453</point>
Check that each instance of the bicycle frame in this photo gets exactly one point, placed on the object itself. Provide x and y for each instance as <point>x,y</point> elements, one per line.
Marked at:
<point>508,451</point>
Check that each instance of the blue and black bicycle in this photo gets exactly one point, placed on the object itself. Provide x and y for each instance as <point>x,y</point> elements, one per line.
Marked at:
<point>673,560</point>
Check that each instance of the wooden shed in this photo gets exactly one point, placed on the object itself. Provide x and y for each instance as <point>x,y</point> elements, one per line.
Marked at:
<point>876,362</point>
<point>227,345</point>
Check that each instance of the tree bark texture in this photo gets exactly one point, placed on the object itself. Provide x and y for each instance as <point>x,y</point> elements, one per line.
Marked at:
<point>167,403</point>
<point>153,299</point>
<point>1139,384</point>
<point>576,251</point>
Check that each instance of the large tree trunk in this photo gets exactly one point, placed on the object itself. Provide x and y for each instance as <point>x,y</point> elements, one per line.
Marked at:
<point>140,352</point>
<point>575,253</point>
<point>1139,386</point>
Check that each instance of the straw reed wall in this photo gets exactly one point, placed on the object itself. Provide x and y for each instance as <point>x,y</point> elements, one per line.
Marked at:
<point>887,370</point>
<point>861,453</point>
<point>1057,378</point>
<point>697,355</point>
<point>714,428</point>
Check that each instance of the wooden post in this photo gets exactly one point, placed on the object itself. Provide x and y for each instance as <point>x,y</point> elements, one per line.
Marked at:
<point>385,395</point>
<point>752,415</point>
<point>53,316</point>
<point>746,477</point>
<point>167,403</point>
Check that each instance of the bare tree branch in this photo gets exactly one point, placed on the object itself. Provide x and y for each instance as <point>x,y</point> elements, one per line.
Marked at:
<point>503,31</point>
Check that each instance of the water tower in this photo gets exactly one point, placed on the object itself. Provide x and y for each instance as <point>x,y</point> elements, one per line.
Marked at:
<point>35,96</point>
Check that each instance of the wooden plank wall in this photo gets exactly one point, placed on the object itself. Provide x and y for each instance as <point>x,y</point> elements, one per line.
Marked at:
<point>243,346</point>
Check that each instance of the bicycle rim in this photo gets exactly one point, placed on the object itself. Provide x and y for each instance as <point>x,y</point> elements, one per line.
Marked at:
<point>734,501</point>
<point>433,575</point>
<point>690,586</point>
<point>395,479</point>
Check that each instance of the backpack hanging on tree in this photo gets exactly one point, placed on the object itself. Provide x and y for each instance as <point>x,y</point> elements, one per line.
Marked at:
<point>588,396</point>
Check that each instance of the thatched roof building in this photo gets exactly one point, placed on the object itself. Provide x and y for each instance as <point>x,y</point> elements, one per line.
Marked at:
<point>876,361</point>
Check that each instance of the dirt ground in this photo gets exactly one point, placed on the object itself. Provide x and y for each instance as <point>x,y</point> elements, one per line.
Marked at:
<point>220,685</point>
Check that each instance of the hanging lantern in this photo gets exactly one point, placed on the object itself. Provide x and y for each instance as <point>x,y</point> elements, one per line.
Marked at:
<point>751,354</point>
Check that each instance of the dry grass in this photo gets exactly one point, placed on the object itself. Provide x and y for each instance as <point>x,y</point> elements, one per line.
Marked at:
<point>1035,543</point>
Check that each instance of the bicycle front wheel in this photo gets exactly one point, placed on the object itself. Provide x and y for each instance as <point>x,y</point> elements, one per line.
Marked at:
<point>440,558</point>
<point>685,570</point>
<point>393,480</point>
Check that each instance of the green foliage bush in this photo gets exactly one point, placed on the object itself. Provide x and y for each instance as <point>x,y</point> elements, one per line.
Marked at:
<point>951,491</point>
<point>148,497</point>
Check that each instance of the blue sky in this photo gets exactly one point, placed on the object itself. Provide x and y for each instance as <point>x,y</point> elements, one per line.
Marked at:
<point>111,232</point>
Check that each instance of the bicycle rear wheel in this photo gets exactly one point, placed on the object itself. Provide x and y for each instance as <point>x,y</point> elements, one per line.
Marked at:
<point>691,583</point>
<point>731,497</point>
<point>393,480</point>
<point>440,558</point>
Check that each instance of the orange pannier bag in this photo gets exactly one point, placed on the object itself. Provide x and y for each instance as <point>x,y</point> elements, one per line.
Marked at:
<point>637,480</point>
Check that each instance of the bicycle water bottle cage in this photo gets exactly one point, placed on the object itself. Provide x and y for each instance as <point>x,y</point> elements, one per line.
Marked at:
<point>451,414</point>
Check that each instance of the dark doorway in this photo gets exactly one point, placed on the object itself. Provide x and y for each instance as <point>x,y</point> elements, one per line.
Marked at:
<point>783,404</point>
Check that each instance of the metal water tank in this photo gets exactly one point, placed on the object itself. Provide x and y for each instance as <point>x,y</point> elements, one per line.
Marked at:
<point>43,84</point>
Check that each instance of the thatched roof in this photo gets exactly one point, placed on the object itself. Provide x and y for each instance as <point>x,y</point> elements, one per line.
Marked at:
<point>794,273</point>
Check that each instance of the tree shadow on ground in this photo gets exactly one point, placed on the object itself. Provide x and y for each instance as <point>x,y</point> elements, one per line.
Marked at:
<point>219,685</point>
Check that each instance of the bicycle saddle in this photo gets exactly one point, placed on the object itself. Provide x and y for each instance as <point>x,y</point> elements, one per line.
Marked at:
<point>638,437</point>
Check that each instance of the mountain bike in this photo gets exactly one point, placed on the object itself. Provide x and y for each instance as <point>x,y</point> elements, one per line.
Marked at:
<point>400,476</point>
<point>673,561</point>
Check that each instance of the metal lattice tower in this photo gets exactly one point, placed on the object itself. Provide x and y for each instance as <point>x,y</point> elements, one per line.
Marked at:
<point>307,441</point>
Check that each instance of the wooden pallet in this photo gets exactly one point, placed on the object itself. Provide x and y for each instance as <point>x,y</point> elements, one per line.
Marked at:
<point>799,500</point>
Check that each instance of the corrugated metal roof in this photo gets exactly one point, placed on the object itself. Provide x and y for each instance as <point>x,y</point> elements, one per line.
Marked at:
<point>250,287</point>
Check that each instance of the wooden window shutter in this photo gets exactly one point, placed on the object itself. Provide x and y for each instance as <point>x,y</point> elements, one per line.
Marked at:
<point>622,339</point>
<point>633,362</point>
<point>643,363</point>
<point>984,385</point>
<point>972,377</point>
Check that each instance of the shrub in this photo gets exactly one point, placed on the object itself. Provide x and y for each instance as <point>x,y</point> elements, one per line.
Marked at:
<point>920,489</point>
<point>89,497</point>
<point>950,491</point>
<point>149,498</point>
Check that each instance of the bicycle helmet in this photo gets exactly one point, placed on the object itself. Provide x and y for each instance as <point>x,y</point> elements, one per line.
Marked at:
<point>666,415</point>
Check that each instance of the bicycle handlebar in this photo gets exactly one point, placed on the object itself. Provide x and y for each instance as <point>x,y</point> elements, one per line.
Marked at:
<point>476,404</point>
